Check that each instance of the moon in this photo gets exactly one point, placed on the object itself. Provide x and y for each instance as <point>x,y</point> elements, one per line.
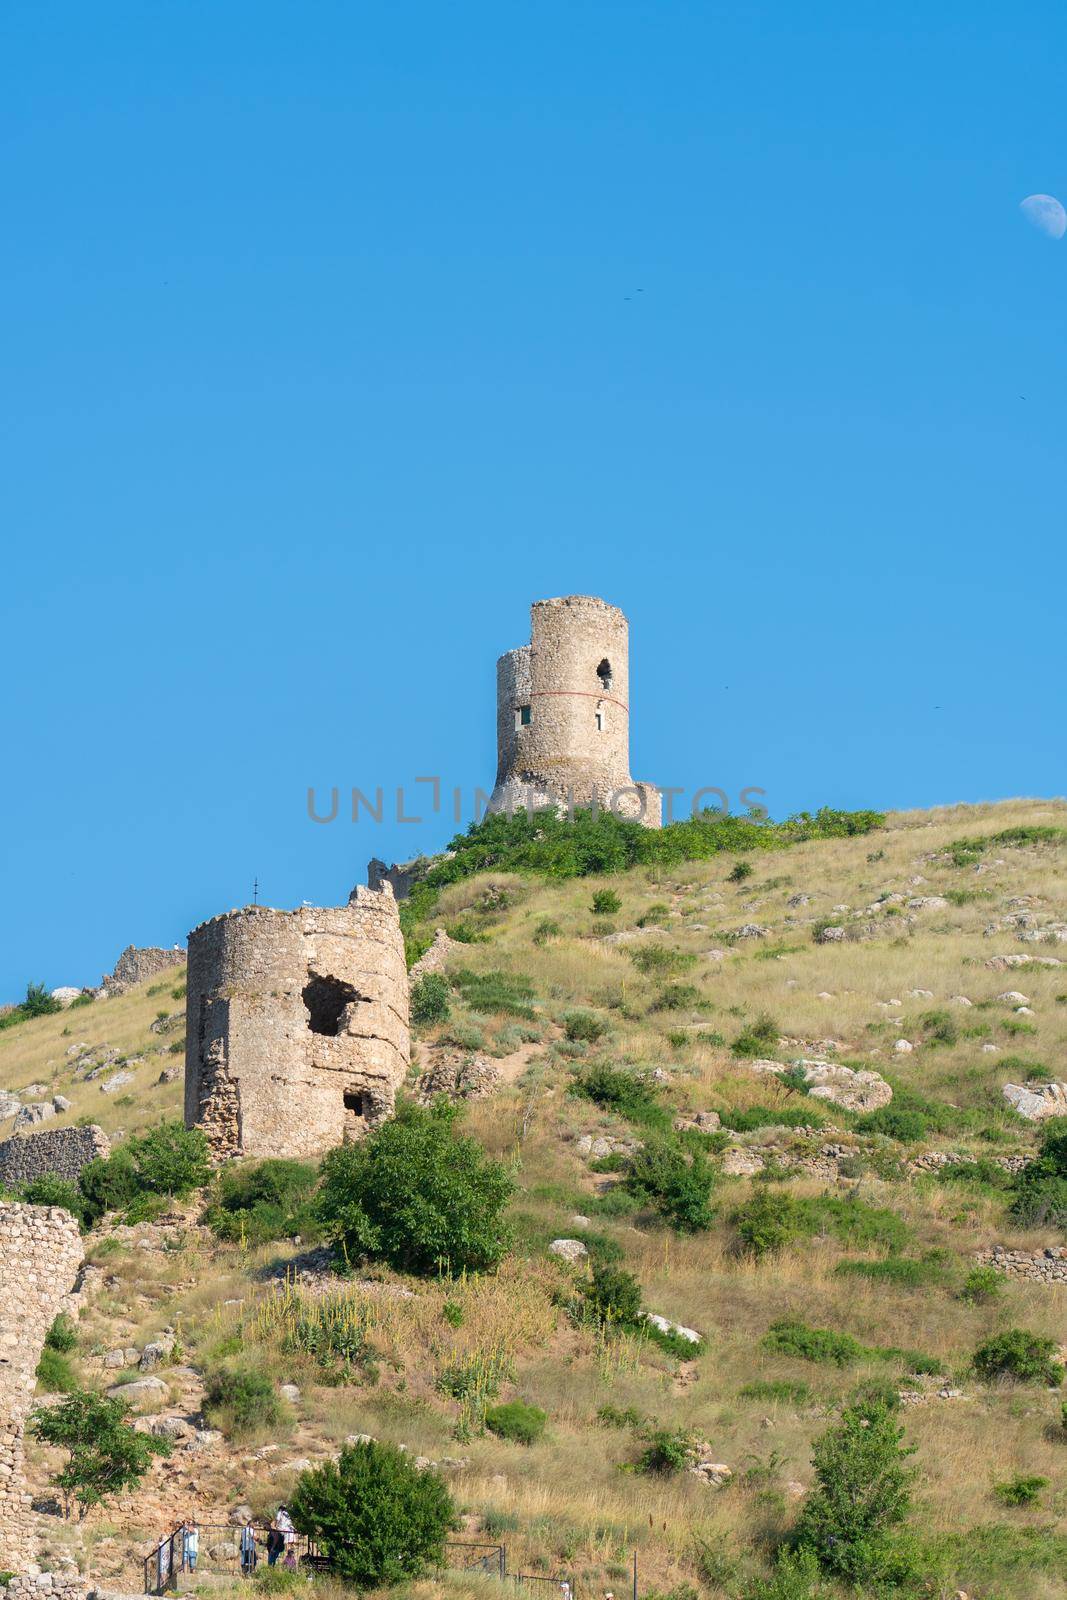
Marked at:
<point>1046,214</point>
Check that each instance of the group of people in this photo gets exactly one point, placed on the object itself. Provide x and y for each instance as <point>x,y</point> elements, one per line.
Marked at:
<point>280,1543</point>
<point>181,1547</point>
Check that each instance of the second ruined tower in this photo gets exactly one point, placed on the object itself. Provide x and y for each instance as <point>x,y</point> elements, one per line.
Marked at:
<point>563,713</point>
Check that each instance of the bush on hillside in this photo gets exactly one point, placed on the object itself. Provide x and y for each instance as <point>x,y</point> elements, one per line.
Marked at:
<point>753,1117</point>
<point>757,1038</point>
<point>679,1187</point>
<point>1041,1188</point>
<point>430,1000</point>
<point>582,1027</point>
<point>863,1496</point>
<point>243,1401</point>
<point>1018,1355</point>
<point>417,1194</point>
<point>606,903</point>
<point>516,1420</point>
<point>768,1221</point>
<point>375,1516</point>
<point>38,1003</point>
<point>261,1200</point>
<point>632,1095</point>
<point>51,1190</point>
<point>792,1338</point>
<point>666,1452</point>
<point>1020,1490</point>
<point>656,960</point>
<point>169,1161</point>
<point>894,1122</point>
<point>982,1285</point>
<point>62,1335</point>
<point>489,993</point>
<point>612,1296</point>
<point>740,871</point>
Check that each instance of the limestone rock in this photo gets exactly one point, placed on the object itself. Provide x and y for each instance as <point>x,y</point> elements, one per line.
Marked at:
<point>60,1103</point>
<point>1036,1101</point>
<point>665,1325</point>
<point>435,959</point>
<point>117,1081</point>
<point>31,1115</point>
<point>830,935</point>
<point>903,1047</point>
<point>841,1086</point>
<point>458,1077</point>
<point>568,1249</point>
<point>65,995</point>
<point>290,1392</point>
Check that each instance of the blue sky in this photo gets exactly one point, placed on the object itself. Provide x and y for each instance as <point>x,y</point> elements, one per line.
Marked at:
<point>324,355</point>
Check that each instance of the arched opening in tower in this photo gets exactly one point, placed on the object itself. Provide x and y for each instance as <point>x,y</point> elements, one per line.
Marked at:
<point>603,672</point>
<point>326,1000</point>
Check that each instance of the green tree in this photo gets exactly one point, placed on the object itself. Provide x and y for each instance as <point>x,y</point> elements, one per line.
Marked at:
<point>38,1002</point>
<point>105,1452</point>
<point>612,1296</point>
<point>430,1000</point>
<point>169,1160</point>
<point>375,1516</point>
<point>1026,1357</point>
<point>417,1194</point>
<point>1041,1187</point>
<point>850,1520</point>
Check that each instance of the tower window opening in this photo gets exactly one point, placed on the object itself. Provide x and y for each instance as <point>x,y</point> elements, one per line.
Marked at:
<point>354,1102</point>
<point>603,672</point>
<point>326,1000</point>
<point>599,722</point>
<point>522,716</point>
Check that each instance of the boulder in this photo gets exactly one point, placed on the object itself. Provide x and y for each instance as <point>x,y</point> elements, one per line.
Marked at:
<point>1036,1101</point>
<point>37,1111</point>
<point>666,1326</point>
<point>290,1392</point>
<point>65,995</point>
<point>139,1391</point>
<point>60,1103</point>
<point>117,1081</point>
<point>841,1086</point>
<point>903,1047</point>
<point>830,935</point>
<point>568,1249</point>
<point>9,1104</point>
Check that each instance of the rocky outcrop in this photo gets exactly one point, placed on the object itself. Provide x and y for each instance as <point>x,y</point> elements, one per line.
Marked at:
<point>1039,1266</point>
<point>1036,1101</point>
<point>135,966</point>
<point>458,1076</point>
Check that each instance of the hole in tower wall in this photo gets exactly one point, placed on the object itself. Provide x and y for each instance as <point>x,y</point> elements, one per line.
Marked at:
<point>355,1102</point>
<point>603,672</point>
<point>326,999</point>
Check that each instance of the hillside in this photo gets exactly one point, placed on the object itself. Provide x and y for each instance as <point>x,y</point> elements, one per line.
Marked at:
<point>938,966</point>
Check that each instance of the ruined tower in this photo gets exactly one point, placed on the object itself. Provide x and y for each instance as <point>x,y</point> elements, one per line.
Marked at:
<point>296,1025</point>
<point>563,713</point>
<point>41,1251</point>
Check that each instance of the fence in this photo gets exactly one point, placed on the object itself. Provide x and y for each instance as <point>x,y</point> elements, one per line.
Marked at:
<point>219,1551</point>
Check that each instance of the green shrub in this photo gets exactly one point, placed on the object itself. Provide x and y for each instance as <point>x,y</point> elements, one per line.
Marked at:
<point>902,1272</point>
<point>605,903</point>
<point>676,997</point>
<point>982,1285</point>
<point>516,1420</point>
<point>754,1117</point>
<point>168,1161</point>
<point>453,1313</point>
<point>939,1027</point>
<point>792,1338</point>
<point>657,960</point>
<point>1040,1189</point>
<point>679,1188</point>
<point>51,1190</point>
<point>758,1038</point>
<point>55,1375</point>
<point>490,993</point>
<point>374,1515</point>
<point>262,1200</point>
<point>38,1002</point>
<point>666,1452</point>
<point>106,1454</point>
<point>862,1496</point>
<point>632,1095</point>
<point>776,1389</point>
<point>582,1027</point>
<point>740,871</point>
<point>768,1222</point>
<point>417,1194</point>
<point>242,1401</point>
<point>108,1183</point>
<point>654,915</point>
<point>62,1335</point>
<point>795,1577</point>
<point>429,1000</point>
<point>612,1296</point>
<point>1016,1354</point>
<point>895,1123</point>
<point>1020,1490</point>
<point>547,928</point>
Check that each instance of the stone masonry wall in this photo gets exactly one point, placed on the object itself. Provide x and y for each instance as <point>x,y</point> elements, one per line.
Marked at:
<point>135,966</point>
<point>296,1025</point>
<point>41,1252</point>
<point>574,677</point>
<point>62,1151</point>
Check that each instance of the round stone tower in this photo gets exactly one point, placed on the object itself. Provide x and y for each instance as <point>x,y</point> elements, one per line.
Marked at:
<point>296,1025</point>
<point>563,713</point>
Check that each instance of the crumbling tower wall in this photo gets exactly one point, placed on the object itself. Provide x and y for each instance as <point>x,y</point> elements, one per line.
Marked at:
<point>296,1025</point>
<point>41,1251</point>
<point>563,713</point>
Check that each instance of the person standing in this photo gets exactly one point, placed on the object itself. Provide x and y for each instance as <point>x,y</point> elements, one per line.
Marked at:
<point>190,1546</point>
<point>249,1554</point>
<point>275,1542</point>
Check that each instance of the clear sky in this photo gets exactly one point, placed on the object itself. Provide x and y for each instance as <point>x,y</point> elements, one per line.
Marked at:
<point>335,334</point>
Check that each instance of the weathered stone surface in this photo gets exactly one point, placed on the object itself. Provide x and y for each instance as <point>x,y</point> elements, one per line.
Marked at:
<point>458,1077</point>
<point>41,1252</point>
<point>854,1091</point>
<point>296,1025</point>
<point>568,1249</point>
<point>435,959</point>
<point>563,718</point>
<point>61,1151</point>
<point>32,1115</point>
<point>65,995</point>
<point>135,966</point>
<point>665,1325</point>
<point>1039,1266</point>
<point>1036,1101</point>
<point>117,1081</point>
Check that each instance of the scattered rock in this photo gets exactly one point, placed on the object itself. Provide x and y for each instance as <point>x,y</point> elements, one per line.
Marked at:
<point>666,1326</point>
<point>458,1077</point>
<point>700,1121</point>
<point>140,1390</point>
<point>29,1116</point>
<point>841,1086</point>
<point>65,995</point>
<point>830,935</point>
<point>290,1392</point>
<point>1036,1101</point>
<point>714,1473</point>
<point>117,1081</point>
<point>750,930</point>
<point>435,958</point>
<point>60,1103</point>
<point>1012,997</point>
<point>568,1249</point>
<point>903,1047</point>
